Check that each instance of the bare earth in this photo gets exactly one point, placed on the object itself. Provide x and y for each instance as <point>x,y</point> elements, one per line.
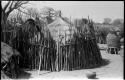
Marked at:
<point>113,69</point>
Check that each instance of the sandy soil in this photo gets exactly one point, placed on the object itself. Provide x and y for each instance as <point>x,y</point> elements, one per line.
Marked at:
<point>112,69</point>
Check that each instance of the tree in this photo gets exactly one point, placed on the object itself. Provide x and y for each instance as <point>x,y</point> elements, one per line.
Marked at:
<point>8,8</point>
<point>49,13</point>
<point>118,22</point>
<point>107,21</point>
<point>80,22</point>
<point>33,12</point>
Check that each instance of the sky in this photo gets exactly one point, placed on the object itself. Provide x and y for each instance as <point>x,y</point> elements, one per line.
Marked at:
<point>97,10</point>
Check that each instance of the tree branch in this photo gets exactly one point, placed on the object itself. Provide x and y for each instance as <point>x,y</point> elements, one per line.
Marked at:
<point>23,12</point>
<point>21,3</point>
<point>1,8</point>
<point>16,5</point>
<point>6,5</point>
<point>11,5</point>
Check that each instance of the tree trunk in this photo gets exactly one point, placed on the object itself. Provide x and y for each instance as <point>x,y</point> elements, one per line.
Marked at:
<point>4,17</point>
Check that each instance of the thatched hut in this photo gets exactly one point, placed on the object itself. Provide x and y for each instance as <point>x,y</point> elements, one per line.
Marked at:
<point>62,32</point>
<point>35,45</point>
<point>79,49</point>
<point>24,40</point>
<point>113,42</point>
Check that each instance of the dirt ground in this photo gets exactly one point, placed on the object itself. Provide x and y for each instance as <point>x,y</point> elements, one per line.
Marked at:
<point>112,69</point>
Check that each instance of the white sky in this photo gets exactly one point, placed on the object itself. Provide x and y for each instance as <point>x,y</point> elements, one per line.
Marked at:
<point>97,10</point>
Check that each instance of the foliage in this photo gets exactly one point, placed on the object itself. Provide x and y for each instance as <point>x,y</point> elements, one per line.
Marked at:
<point>107,21</point>
<point>118,22</point>
<point>80,22</point>
<point>33,12</point>
<point>8,8</point>
<point>49,13</point>
<point>101,31</point>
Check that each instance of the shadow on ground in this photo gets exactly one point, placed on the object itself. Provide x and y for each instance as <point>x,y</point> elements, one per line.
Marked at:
<point>45,73</point>
<point>104,62</point>
<point>24,75</point>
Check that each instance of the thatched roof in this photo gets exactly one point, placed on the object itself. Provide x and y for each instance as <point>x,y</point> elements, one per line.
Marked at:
<point>61,25</point>
<point>59,22</point>
<point>7,52</point>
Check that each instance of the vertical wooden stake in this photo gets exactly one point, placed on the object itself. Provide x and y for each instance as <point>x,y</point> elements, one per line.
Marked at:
<point>57,53</point>
<point>40,58</point>
<point>57,58</point>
